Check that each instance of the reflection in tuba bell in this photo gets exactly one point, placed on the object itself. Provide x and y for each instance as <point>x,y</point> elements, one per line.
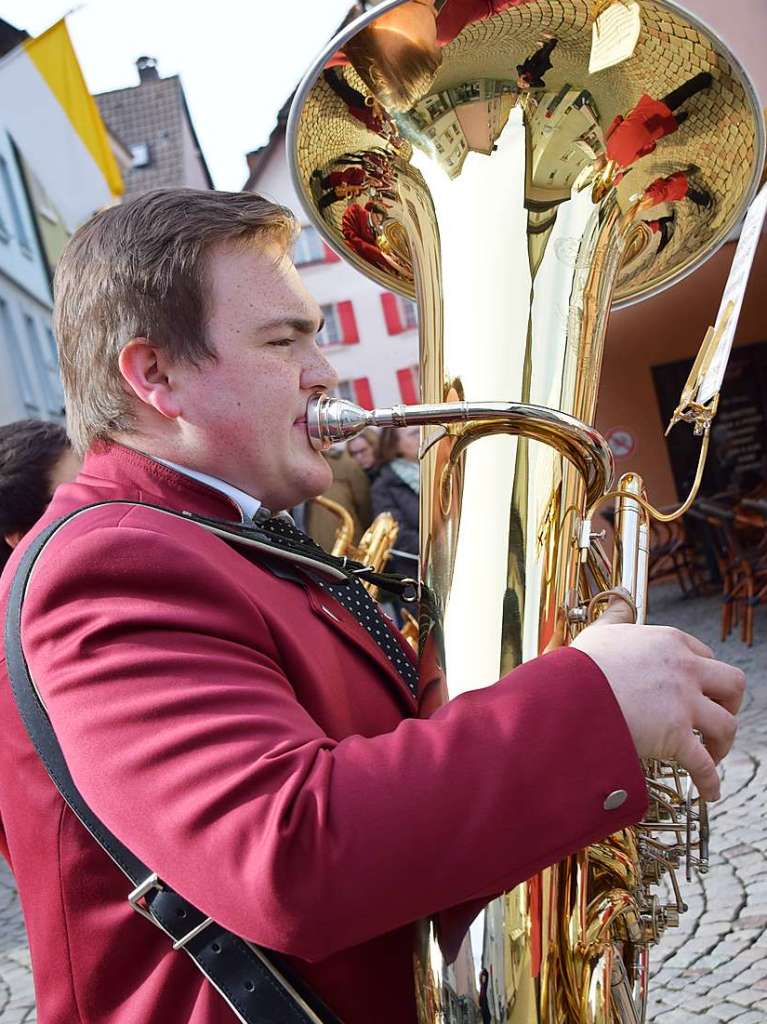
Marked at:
<point>497,183</point>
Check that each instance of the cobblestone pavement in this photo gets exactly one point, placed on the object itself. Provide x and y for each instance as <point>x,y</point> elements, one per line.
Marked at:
<point>713,968</point>
<point>17,1001</point>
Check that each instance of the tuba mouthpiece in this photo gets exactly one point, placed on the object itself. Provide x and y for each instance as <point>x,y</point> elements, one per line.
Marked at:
<point>329,420</point>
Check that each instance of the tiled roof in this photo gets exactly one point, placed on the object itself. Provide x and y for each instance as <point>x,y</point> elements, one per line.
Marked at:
<point>10,36</point>
<point>152,114</point>
<point>257,157</point>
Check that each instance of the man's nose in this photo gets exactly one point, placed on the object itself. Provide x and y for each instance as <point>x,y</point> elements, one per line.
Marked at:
<point>318,372</point>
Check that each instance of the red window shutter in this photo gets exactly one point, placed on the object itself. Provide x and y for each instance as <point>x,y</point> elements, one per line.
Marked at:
<point>391,313</point>
<point>349,333</point>
<point>363,393</point>
<point>407,386</point>
<point>330,256</point>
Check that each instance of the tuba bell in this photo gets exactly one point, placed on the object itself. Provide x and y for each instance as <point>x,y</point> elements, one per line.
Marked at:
<point>473,145</point>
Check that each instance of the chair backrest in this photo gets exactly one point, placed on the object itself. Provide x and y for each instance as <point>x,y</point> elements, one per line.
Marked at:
<point>718,532</point>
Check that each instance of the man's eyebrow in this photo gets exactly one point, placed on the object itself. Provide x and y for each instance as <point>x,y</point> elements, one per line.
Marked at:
<point>298,324</point>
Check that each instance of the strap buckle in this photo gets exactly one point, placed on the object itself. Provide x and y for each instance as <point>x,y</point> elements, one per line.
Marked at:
<point>137,900</point>
<point>192,933</point>
<point>140,893</point>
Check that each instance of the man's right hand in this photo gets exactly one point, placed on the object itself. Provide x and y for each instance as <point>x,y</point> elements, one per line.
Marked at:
<point>667,683</point>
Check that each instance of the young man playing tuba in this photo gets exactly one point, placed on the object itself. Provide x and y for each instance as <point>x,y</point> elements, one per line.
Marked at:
<point>231,720</point>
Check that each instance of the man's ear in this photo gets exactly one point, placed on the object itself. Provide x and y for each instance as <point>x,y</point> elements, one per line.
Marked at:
<point>144,369</point>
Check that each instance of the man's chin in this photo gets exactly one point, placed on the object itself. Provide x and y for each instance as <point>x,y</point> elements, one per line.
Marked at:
<point>320,481</point>
<point>311,484</point>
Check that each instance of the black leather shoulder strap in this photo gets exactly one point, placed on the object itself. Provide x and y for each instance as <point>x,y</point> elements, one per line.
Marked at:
<point>254,982</point>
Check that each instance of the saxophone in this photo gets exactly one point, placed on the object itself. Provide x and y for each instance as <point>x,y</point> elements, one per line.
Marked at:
<point>375,544</point>
<point>493,202</point>
<point>343,542</point>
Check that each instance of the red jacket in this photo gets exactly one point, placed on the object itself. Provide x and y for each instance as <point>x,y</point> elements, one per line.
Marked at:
<point>452,19</point>
<point>635,135</point>
<point>667,190</point>
<point>247,738</point>
<point>455,15</point>
<point>348,176</point>
<point>360,236</point>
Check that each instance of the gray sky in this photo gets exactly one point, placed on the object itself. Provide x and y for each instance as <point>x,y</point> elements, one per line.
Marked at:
<point>238,59</point>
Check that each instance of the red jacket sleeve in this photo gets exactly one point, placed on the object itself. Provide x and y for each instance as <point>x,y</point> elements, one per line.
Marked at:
<point>677,187</point>
<point>356,224</point>
<point>618,119</point>
<point>182,732</point>
<point>455,15</point>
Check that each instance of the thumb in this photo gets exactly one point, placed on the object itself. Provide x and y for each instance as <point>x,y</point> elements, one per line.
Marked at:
<point>619,609</point>
<point>693,756</point>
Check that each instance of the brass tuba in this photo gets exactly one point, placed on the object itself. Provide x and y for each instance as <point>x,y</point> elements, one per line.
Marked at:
<point>487,190</point>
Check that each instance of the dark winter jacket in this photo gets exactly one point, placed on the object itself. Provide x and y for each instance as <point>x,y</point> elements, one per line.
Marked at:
<point>389,493</point>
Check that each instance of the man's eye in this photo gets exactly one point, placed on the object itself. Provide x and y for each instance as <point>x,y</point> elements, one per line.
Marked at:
<point>281,341</point>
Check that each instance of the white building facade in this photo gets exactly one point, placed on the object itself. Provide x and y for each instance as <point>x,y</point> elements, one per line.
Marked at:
<point>29,380</point>
<point>371,335</point>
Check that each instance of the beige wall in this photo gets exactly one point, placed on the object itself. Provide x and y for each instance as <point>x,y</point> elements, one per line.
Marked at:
<point>664,329</point>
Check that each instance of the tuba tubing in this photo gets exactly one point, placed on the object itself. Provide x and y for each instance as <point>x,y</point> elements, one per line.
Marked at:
<point>330,420</point>
<point>494,201</point>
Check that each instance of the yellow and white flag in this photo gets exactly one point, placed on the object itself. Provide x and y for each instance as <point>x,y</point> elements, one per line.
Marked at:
<point>47,110</point>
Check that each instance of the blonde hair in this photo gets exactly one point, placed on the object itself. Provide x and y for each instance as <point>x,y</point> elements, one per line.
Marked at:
<point>139,270</point>
<point>388,447</point>
<point>371,436</point>
<point>398,81</point>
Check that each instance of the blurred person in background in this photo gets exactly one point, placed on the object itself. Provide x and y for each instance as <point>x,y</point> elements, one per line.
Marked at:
<point>365,450</point>
<point>395,490</point>
<point>531,71</point>
<point>35,457</point>
<point>350,488</point>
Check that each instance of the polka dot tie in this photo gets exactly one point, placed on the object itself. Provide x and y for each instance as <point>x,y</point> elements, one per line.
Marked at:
<point>357,601</point>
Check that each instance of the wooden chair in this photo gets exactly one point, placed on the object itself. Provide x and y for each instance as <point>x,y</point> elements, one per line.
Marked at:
<point>721,541</point>
<point>752,514</point>
<point>743,571</point>
<point>674,556</point>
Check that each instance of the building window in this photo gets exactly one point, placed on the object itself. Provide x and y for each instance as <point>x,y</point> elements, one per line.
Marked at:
<point>357,390</point>
<point>344,389</point>
<point>16,216</point>
<point>140,154</point>
<point>400,314</point>
<point>41,201</point>
<point>23,378</point>
<point>46,363</point>
<point>340,325</point>
<point>310,248</point>
<point>53,354</point>
<point>407,379</point>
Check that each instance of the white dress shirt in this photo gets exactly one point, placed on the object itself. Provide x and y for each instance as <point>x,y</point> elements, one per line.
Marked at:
<point>247,504</point>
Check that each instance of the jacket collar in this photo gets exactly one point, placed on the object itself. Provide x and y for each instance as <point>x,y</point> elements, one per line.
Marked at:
<point>247,504</point>
<point>109,466</point>
<point>112,470</point>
